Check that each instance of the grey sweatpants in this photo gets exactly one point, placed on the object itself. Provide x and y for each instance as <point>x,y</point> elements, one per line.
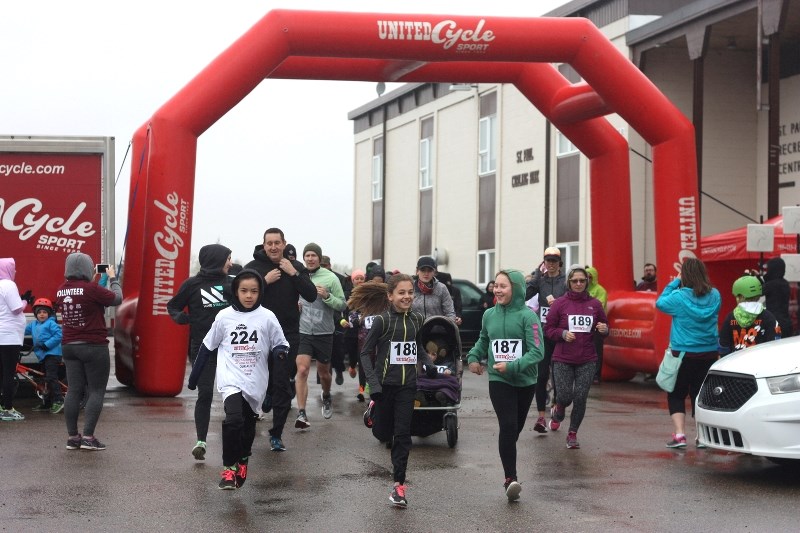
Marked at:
<point>572,383</point>
<point>88,368</point>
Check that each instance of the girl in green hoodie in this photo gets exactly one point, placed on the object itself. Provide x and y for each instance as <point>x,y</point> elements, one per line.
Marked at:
<point>511,340</point>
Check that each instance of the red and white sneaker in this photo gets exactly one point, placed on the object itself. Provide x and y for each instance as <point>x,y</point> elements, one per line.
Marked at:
<point>572,440</point>
<point>677,441</point>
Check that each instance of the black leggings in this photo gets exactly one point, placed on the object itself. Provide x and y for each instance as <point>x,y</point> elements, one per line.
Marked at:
<point>88,369</point>
<point>544,376</point>
<point>205,391</point>
<point>238,429</point>
<point>9,356</point>
<point>392,422</point>
<point>337,351</point>
<point>511,405</point>
<point>351,349</point>
<point>51,365</point>
<point>691,374</point>
<point>573,382</point>
<point>281,371</point>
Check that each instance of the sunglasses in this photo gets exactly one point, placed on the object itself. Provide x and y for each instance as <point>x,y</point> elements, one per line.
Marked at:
<point>578,280</point>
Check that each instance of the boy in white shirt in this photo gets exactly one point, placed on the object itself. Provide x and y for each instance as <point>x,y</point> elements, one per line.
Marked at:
<point>245,335</point>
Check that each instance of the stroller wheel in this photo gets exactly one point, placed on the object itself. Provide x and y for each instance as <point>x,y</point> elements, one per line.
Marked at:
<point>451,428</point>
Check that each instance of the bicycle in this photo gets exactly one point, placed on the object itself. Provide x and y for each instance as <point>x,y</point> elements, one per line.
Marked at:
<point>36,378</point>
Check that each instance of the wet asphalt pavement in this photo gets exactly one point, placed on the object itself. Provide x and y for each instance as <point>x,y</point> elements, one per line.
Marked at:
<point>337,477</point>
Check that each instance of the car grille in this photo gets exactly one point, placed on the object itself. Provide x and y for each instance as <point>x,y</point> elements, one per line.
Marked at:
<point>726,392</point>
<point>721,437</point>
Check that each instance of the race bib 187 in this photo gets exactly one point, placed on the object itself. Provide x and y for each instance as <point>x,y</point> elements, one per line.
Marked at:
<point>506,350</point>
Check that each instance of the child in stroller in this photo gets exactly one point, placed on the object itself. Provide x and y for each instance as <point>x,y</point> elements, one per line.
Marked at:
<point>439,388</point>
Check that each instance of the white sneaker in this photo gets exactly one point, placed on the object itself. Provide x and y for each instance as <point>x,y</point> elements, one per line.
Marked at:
<point>199,451</point>
<point>11,414</point>
<point>327,408</point>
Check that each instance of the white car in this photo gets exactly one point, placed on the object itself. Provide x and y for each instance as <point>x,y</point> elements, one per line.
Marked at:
<point>750,402</point>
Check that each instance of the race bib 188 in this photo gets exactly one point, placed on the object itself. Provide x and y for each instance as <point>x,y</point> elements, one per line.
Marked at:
<point>403,353</point>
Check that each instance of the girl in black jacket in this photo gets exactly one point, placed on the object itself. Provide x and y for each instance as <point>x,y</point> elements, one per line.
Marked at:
<point>392,375</point>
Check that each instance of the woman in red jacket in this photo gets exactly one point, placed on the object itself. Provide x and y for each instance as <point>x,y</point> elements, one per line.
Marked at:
<point>571,323</point>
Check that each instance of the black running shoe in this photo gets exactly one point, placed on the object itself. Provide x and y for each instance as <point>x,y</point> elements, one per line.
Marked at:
<point>228,481</point>
<point>92,444</point>
<point>74,442</point>
<point>241,472</point>
<point>398,497</point>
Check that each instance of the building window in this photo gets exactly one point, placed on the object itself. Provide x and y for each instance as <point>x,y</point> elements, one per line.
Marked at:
<point>569,255</point>
<point>425,179</point>
<point>426,154</point>
<point>487,149</point>
<point>485,267</point>
<point>377,169</point>
<point>565,146</point>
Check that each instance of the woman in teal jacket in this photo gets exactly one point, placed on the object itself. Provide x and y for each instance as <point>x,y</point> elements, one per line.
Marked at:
<point>694,305</point>
<point>511,339</point>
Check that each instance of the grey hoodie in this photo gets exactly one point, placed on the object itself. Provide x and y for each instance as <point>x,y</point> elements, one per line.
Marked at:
<point>79,266</point>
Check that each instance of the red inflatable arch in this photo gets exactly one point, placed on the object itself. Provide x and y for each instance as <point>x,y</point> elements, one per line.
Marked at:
<point>151,350</point>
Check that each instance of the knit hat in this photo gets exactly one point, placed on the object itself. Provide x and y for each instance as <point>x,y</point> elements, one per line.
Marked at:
<point>313,247</point>
<point>356,273</point>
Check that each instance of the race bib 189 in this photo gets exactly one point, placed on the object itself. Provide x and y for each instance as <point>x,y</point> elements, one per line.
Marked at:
<point>403,353</point>
<point>506,350</point>
<point>580,323</point>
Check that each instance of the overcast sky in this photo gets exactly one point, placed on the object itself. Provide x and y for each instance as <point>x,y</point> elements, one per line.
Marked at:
<point>102,68</point>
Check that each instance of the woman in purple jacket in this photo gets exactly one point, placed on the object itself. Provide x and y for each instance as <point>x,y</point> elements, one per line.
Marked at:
<point>571,324</point>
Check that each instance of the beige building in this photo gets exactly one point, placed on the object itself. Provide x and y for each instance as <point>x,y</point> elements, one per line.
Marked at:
<point>476,176</point>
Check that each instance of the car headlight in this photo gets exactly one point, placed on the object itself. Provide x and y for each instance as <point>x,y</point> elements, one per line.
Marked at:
<point>784,384</point>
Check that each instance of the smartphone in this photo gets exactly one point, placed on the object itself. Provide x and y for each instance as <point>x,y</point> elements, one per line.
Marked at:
<point>101,268</point>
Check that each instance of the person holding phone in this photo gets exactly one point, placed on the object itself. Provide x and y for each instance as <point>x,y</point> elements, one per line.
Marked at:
<point>694,305</point>
<point>101,274</point>
<point>84,345</point>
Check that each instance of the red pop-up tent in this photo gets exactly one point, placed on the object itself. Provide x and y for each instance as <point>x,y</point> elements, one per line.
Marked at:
<point>732,245</point>
<point>726,257</point>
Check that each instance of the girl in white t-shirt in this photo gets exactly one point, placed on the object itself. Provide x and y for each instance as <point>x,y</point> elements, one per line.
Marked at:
<point>12,330</point>
<point>245,335</point>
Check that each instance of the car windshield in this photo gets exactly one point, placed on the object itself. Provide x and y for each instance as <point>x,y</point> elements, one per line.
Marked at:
<point>469,295</point>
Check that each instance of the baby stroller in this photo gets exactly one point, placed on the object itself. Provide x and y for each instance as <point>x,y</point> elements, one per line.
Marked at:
<point>438,399</point>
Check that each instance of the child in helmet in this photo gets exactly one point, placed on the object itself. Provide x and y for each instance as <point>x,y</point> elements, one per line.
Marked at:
<point>749,323</point>
<point>46,335</point>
